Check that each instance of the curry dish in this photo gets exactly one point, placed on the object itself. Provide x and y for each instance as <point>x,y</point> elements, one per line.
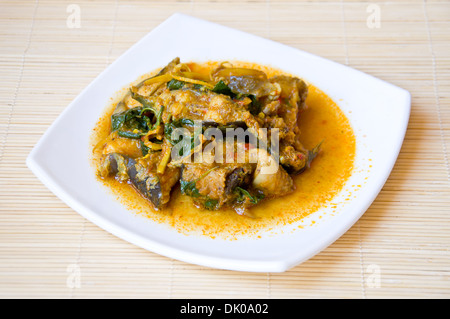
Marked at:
<point>140,149</point>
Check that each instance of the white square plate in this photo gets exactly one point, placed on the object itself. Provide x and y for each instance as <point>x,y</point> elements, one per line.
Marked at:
<point>378,113</point>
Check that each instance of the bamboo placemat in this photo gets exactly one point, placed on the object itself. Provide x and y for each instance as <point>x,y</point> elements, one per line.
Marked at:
<point>399,248</point>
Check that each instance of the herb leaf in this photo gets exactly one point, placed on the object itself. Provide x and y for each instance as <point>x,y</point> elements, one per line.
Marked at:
<point>170,127</point>
<point>175,84</point>
<point>144,148</point>
<point>211,204</point>
<point>128,134</point>
<point>130,120</point>
<point>189,188</point>
<point>147,103</point>
<point>255,106</point>
<point>243,194</point>
<point>222,88</point>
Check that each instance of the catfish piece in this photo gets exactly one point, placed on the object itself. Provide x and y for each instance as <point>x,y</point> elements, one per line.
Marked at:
<point>153,186</point>
<point>205,184</point>
<point>292,97</point>
<point>296,162</point>
<point>293,90</point>
<point>123,105</point>
<point>239,177</point>
<point>214,187</point>
<point>115,165</point>
<point>270,178</point>
<point>121,145</point>
<point>148,184</point>
<point>246,81</point>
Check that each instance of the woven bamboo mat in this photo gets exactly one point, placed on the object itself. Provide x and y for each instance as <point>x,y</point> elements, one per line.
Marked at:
<point>399,248</point>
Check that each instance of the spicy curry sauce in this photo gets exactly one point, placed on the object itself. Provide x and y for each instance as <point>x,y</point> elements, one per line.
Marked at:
<point>321,121</point>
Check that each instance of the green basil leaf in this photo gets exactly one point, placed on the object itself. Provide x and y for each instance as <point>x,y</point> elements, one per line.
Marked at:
<point>242,194</point>
<point>175,84</point>
<point>222,88</point>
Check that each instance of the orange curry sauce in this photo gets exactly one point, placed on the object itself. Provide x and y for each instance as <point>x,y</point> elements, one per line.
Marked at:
<point>322,120</point>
